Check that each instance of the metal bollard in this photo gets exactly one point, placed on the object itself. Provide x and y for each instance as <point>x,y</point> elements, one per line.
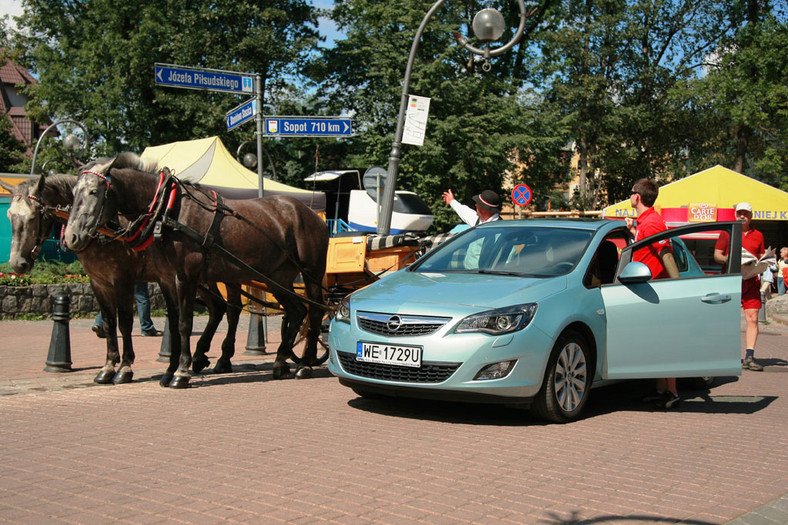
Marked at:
<point>164,350</point>
<point>59,357</point>
<point>762,311</point>
<point>256,337</point>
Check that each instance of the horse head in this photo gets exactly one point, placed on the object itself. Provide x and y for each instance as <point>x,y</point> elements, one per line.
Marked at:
<point>30,223</point>
<point>93,205</point>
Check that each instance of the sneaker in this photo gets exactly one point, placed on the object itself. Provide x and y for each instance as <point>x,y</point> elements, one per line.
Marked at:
<point>751,364</point>
<point>99,331</point>
<point>668,401</point>
<point>152,333</point>
<point>654,396</point>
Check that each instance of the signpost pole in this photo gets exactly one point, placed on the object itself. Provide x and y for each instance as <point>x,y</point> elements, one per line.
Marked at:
<point>258,120</point>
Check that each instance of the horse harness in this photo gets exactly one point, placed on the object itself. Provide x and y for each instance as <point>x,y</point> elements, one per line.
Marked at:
<point>141,232</point>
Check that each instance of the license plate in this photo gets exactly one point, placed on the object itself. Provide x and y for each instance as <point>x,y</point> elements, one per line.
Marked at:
<point>389,354</point>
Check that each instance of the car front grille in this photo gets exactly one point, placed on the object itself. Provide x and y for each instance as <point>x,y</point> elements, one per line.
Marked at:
<point>428,373</point>
<point>399,325</point>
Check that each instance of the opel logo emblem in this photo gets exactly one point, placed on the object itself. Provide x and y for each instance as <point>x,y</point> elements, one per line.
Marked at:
<point>394,323</point>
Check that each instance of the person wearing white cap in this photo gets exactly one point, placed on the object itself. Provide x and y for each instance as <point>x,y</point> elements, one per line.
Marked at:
<point>752,241</point>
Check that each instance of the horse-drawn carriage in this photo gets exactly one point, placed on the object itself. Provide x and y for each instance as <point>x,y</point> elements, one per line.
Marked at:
<point>184,237</point>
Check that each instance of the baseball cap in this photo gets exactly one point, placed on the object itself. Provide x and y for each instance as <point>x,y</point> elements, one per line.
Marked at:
<point>489,200</point>
<point>743,206</point>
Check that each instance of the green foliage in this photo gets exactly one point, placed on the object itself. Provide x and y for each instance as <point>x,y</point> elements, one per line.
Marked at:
<point>95,62</point>
<point>44,273</point>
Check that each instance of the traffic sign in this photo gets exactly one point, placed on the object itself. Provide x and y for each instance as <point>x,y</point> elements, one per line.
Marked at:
<point>308,126</point>
<point>521,195</point>
<point>240,114</point>
<point>207,79</point>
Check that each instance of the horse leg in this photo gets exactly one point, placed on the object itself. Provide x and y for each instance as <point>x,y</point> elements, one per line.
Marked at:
<point>216,310</point>
<point>108,314</point>
<point>171,300</point>
<point>315,319</point>
<point>187,290</point>
<point>223,365</point>
<point>125,324</point>
<point>291,324</point>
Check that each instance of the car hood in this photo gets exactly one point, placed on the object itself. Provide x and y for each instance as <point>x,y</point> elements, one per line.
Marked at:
<point>436,292</point>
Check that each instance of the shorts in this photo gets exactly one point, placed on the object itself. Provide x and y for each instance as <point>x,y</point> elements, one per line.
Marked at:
<point>751,294</point>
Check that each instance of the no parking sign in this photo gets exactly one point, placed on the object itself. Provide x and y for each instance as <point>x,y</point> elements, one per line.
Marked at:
<point>521,195</point>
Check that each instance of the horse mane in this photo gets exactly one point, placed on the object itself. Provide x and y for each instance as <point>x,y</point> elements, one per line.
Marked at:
<point>58,187</point>
<point>127,159</point>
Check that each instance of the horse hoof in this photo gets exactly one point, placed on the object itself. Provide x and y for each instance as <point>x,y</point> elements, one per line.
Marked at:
<point>198,365</point>
<point>281,372</point>
<point>123,377</point>
<point>165,380</point>
<point>179,382</point>
<point>222,367</point>
<point>304,372</point>
<point>104,377</point>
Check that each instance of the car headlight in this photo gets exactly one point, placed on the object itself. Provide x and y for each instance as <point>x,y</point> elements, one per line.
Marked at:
<point>343,311</point>
<point>498,321</point>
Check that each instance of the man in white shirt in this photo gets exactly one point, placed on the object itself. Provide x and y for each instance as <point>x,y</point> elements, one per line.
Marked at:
<point>488,209</point>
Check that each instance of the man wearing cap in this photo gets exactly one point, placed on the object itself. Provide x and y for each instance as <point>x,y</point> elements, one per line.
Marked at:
<point>488,207</point>
<point>752,241</point>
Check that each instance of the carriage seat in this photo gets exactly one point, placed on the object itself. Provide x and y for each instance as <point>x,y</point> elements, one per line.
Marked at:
<point>381,242</point>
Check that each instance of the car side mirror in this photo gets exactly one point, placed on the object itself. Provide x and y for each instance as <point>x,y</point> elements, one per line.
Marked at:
<point>635,272</point>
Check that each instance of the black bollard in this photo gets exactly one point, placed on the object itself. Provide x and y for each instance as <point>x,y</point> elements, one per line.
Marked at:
<point>164,350</point>
<point>255,340</point>
<point>59,357</point>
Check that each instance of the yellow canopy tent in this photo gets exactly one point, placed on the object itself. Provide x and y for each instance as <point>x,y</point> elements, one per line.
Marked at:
<point>207,162</point>
<point>711,195</point>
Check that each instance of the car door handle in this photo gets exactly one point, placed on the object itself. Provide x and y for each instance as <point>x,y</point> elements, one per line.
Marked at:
<point>715,298</point>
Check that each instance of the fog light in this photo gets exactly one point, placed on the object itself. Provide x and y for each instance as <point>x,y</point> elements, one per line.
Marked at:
<point>495,371</point>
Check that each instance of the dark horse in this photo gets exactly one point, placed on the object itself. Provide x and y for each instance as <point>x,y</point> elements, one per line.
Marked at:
<point>113,269</point>
<point>273,239</point>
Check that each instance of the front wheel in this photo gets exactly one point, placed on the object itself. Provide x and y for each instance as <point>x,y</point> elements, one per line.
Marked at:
<point>567,380</point>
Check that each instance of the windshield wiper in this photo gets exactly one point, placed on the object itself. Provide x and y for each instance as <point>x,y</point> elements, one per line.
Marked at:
<point>499,272</point>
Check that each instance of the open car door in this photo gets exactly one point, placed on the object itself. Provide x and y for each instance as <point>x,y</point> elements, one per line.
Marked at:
<point>684,327</point>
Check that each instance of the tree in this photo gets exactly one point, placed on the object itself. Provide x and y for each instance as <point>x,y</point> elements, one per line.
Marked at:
<point>476,121</point>
<point>746,93</point>
<point>95,61</point>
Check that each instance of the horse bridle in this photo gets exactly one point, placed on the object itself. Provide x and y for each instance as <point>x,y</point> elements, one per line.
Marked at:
<point>93,230</point>
<point>42,233</point>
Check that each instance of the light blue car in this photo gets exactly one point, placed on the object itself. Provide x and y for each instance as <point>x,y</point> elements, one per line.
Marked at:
<point>535,313</point>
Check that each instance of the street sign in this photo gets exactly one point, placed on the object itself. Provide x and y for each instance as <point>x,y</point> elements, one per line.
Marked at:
<point>308,126</point>
<point>240,114</point>
<point>207,79</point>
<point>521,195</point>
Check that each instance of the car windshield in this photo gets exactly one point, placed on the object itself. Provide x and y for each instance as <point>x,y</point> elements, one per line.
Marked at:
<point>510,250</point>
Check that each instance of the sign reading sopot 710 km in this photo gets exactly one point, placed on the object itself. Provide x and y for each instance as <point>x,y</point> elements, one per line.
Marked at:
<point>308,126</point>
<point>208,79</point>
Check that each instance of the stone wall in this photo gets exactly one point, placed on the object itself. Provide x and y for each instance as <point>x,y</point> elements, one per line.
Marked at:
<point>38,299</point>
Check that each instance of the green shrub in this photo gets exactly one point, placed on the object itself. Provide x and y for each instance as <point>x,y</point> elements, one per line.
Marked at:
<point>44,272</point>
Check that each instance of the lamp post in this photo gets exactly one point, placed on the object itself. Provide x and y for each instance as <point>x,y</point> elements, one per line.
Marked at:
<point>249,160</point>
<point>488,25</point>
<point>71,142</point>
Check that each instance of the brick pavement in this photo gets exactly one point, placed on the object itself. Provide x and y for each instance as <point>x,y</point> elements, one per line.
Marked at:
<point>243,448</point>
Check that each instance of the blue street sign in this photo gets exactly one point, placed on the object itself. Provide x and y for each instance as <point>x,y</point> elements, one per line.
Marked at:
<point>308,126</point>
<point>241,114</point>
<point>208,79</point>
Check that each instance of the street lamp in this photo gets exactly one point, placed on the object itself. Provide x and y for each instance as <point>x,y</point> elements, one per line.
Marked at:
<point>71,142</point>
<point>249,160</point>
<point>488,25</point>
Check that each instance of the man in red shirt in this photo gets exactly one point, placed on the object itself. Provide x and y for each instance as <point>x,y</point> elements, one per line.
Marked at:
<point>752,241</point>
<point>659,259</point>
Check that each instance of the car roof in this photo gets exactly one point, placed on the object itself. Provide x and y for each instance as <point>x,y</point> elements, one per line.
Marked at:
<point>576,223</point>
